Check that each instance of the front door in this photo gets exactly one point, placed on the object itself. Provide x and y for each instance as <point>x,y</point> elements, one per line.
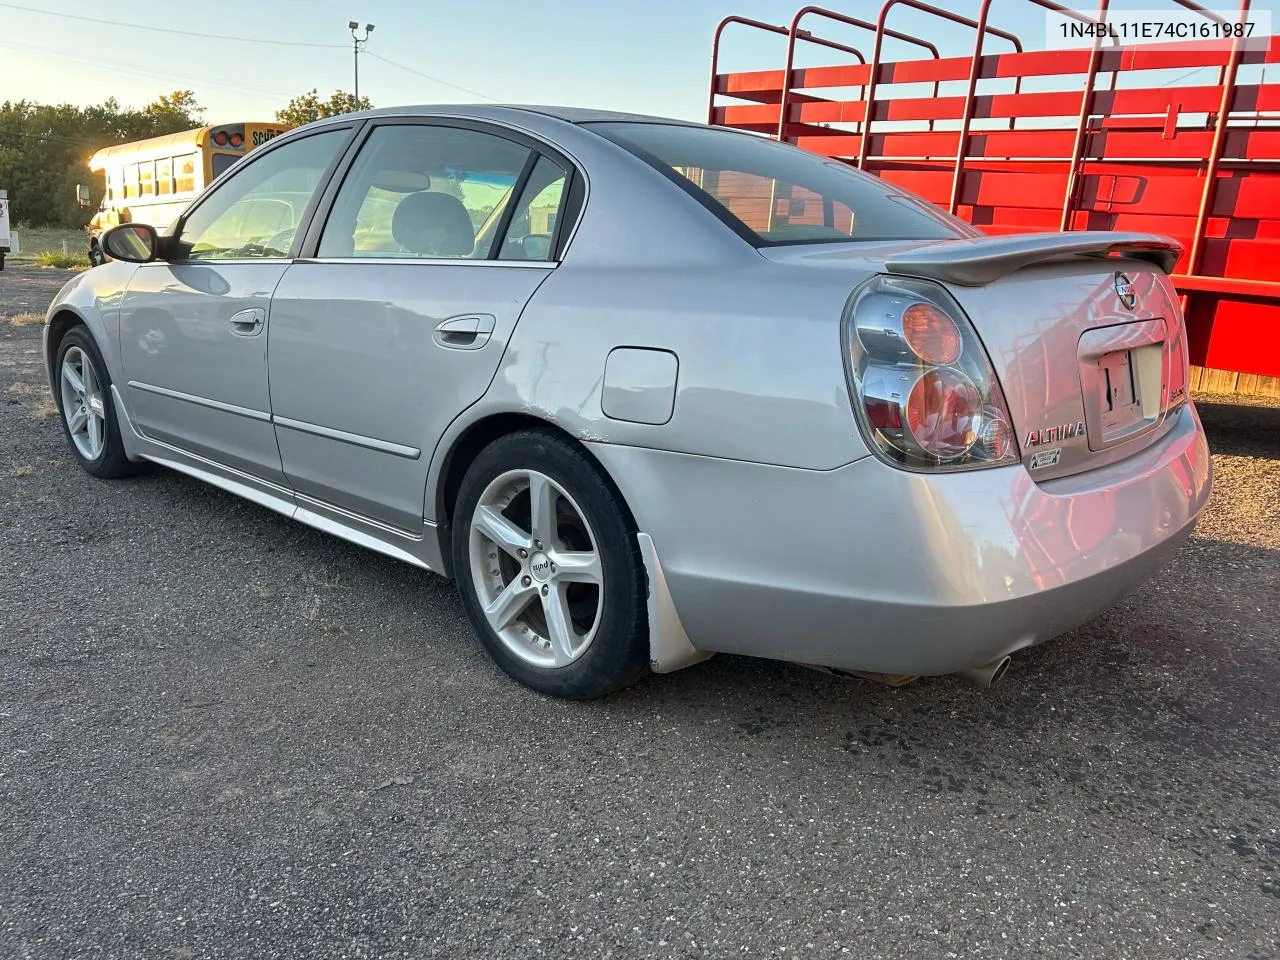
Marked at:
<point>193,331</point>
<point>398,322</point>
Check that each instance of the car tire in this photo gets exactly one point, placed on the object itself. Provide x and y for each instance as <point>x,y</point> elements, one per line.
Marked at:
<point>589,519</point>
<point>97,446</point>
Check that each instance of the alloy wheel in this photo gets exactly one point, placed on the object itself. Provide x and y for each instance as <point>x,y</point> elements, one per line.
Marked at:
<point>83,404</point>
<point>536,568</point>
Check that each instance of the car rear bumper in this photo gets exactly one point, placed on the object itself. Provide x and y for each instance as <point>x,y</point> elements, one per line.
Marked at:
<point>867,567</point>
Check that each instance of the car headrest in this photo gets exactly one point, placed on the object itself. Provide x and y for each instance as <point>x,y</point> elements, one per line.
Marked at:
<point>433,225</point>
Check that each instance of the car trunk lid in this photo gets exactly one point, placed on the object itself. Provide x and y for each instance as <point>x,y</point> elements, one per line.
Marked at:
<point>1083,331</point>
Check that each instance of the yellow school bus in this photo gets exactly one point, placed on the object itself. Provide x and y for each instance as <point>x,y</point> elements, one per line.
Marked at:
<point>152,181</point>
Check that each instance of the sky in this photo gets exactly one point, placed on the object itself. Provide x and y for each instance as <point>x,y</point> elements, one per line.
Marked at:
<point>648,56</point>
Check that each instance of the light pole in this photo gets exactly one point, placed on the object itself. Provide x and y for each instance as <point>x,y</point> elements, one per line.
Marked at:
<point>357,43</point>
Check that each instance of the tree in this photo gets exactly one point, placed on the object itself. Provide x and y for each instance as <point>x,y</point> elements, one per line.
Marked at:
<point>175,111</point>
<point>309,107</point>
<point>45,149</point>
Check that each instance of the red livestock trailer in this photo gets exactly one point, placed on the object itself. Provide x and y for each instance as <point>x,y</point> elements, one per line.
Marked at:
<point>1104,144</point>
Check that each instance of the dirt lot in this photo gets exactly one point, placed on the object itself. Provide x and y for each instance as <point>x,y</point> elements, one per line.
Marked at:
<point>225,735</point>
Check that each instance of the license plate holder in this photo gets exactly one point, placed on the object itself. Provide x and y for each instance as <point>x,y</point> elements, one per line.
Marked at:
<point>1123,371</point>
<point>1121,401</point>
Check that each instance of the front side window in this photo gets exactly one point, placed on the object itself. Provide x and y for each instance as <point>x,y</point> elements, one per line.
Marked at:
<point>420,191</point>
<point>773,193</point>
<point>257,211</point>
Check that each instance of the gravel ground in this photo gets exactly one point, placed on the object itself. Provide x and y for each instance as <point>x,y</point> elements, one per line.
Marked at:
<point>226,735</point>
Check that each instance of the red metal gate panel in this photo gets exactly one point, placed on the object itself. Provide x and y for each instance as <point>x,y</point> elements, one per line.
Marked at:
<point>1197,162</point>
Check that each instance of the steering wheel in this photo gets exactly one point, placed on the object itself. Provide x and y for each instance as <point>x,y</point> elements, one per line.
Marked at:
<point>284,237</point>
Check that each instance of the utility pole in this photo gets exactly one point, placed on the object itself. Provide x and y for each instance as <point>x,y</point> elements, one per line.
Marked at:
<point>357,44</point>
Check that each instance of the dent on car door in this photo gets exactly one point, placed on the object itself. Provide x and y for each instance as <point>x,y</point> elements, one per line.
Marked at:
<point>193,329</point>
<point>399,320</point>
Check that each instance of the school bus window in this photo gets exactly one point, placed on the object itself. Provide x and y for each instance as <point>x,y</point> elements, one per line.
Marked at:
<point>146,178</point>
<point>164,176</point>
<point>222,161</point>
<point>186,174</point>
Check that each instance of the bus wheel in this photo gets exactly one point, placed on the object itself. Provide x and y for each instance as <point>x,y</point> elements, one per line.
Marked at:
<point>96,256</point>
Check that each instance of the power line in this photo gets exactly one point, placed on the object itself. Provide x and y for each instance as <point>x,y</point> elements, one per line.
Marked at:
<point>427,76</point>
<point>181,33</point>
<point>47,138</point>
<point>149,74</point>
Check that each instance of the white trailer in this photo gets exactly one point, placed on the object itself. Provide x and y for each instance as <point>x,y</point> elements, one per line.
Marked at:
<point>4,226</point>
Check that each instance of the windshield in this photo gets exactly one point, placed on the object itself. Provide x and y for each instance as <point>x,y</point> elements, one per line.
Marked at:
<point>772,193</point>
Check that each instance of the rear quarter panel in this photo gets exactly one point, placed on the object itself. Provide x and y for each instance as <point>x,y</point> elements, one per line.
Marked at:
<point>760,374</point>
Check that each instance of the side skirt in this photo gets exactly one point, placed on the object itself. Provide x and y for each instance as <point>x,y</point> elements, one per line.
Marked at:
<point>421,551</point>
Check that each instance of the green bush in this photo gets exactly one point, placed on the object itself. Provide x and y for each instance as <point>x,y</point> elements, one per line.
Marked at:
<point>64,261</point>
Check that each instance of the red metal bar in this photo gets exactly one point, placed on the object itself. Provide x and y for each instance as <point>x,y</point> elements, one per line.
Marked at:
<point>771,28</point>
<point>715,54</point>
<point>1237,289</point>
<point>1129,162</point>
<point>876,51</point>
<point>975,68</point>
<point>1215,152</point>
<point>839,18</point>
<point>1086,105</point>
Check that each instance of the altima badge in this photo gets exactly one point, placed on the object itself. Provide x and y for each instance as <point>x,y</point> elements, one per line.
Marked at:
<point>1124,290</point>
<point>1061,431</point>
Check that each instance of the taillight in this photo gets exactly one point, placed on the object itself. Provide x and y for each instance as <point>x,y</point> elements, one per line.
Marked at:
<point>221,138</point>
<point>237,140</point>
<point>944,413</point>
<point>922,386</point>
<point>931,334</point>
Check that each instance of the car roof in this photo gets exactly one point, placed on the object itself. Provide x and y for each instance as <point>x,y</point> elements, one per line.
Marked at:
<point>574,115</point>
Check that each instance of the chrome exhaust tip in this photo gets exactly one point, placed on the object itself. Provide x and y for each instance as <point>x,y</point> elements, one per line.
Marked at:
<point>988,673</point>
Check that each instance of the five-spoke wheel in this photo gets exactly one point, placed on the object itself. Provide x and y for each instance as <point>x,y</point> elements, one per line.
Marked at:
<point>549,568</point>
<point>83,407</point>
<point>536,568</point>
<point>83,393</point>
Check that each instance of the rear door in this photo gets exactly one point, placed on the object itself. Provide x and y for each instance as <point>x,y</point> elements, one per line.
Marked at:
<point>193,331</point>
<point>436,237</point>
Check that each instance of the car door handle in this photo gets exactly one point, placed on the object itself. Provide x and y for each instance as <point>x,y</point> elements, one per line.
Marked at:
<point>470,332</point>
<point>248,323</point>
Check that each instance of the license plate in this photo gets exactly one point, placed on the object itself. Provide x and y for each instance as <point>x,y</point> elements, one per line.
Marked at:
<point>1121,402</point>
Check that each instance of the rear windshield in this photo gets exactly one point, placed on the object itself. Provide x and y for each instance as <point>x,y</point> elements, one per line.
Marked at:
<point>773,193</point>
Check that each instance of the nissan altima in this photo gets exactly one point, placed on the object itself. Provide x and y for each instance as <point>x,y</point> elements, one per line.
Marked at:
<point>650,390</point>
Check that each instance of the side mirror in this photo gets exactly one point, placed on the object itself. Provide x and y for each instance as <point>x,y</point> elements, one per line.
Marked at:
<point>537,246</point>
<point>82,196</point>
<point>131,242</point>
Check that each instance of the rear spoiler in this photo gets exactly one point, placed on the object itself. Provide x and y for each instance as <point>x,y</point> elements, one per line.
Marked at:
<point>980,260</point>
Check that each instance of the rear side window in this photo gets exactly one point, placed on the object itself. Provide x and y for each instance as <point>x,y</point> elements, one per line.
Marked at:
<point>424,191</point>
<point>772,193</point>
<point>531,233</point>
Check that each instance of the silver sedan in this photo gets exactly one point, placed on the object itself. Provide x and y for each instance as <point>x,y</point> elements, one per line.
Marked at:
<point>650,390</point>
